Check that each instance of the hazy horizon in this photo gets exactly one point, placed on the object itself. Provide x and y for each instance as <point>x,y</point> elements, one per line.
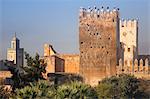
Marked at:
<point>56,22</point>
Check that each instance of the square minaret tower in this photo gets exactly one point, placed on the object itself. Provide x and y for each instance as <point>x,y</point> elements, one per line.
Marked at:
<point>15,53</point>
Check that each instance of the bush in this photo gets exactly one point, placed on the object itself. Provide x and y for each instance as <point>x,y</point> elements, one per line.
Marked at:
<point>122,86</point>
<point>34,71</point>
<point>45,90</point>
<point>76,90</point>
<point>104,90</point>
<point>40,89</point>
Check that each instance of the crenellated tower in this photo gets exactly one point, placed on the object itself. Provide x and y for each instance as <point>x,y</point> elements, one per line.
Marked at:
<point>99,43</point>
<point>129,40</point>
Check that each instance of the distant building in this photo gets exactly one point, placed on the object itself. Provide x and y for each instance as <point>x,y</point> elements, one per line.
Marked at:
<point>56,63</point>
<point>15,53</point>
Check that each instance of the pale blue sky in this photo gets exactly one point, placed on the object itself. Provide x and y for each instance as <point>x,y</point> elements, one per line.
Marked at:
<point>56,22</point>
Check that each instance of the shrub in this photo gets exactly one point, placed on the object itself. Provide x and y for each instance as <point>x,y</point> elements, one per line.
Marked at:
<point>40,89</point>
<point>122,86</point>
<point>76,90</point>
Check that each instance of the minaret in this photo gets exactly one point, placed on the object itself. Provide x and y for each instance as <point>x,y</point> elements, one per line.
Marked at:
<point>15,42</point>
<point>15,53</point>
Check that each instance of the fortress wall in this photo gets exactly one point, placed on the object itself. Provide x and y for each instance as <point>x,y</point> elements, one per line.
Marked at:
<point>99,43</point>
<point>50,61</point>
<point>139,68</point>
<point>71,62</point>
<point>54,64</point>
<point>59,64</point>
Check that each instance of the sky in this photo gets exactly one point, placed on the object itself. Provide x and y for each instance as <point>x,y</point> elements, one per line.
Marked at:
<point>56,22</point>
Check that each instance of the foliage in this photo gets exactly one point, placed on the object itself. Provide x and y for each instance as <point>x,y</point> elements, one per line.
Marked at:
<point>76,90</point>
<point>104,90</point>
<point>29,84</point>
<point>17,76</point>
<point>144,89</point>
<point>46,90</point>
<point>122,86</point>
<point>116,87</point>
<point>34,70</point>
<point>41,90</point>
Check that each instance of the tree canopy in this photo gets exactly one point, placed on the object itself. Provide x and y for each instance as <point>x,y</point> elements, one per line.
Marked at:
<point>46,90</point>
<point>122,86</point>
<point>33,71</point>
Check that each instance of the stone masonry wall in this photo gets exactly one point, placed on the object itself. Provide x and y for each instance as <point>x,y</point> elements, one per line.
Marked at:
<point>71,64</point>
<point>129,39</point>
<point>99,42</point>
<point>68,63</point>
<point>139,68</point>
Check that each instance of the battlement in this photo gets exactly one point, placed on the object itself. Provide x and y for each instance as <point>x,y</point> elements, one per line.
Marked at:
<point>134,67</point>
<point>128,23</point>
<point>98,13</point>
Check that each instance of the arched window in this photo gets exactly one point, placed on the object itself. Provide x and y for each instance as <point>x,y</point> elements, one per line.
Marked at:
<point>13,45</point>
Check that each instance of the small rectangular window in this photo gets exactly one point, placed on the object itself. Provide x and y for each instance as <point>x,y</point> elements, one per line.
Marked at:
<point>128,49</point>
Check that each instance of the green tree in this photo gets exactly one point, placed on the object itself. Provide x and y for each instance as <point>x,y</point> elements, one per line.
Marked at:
<point>34,70</point>
<point>104,91</point>
<point>76,90</point>
<point>36,90</point>
<point>144,89</point>
<point>18,77</point>
<point>129,85</point>
<point>46,90</point>
<point>122,86</point>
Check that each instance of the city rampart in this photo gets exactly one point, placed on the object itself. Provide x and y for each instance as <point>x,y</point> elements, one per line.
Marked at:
<point>139,68</point>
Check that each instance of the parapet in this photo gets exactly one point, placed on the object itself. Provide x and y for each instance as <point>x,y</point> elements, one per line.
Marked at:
<point>98,13</point>
<point>138,67</point>
<point>128,23</point>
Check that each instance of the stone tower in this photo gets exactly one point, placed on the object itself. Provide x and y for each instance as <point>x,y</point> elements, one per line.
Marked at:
<point>129,40</point>
<point>15,53</point>
<point>99,43</point>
